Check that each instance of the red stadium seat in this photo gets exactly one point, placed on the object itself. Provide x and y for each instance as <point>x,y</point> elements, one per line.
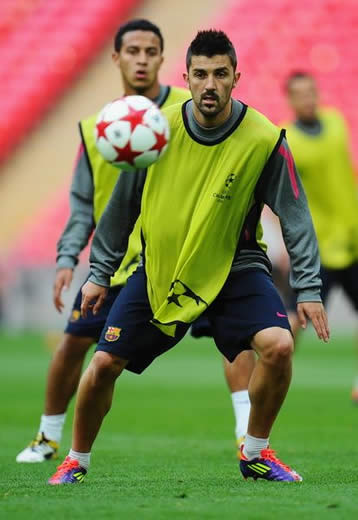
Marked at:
<point>37,33</point>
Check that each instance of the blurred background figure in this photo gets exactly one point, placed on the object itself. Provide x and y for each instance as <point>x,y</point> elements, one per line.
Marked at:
<point>320,143</point>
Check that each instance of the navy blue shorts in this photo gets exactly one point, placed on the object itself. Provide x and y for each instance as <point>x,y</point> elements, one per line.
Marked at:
<point>201,327</point>
<point>280,279</point>
<point>247,303</point>
<point>346,278</point>
<point>92,326</point>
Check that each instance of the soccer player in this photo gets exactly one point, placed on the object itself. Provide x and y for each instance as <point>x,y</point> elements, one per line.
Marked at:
<point>199,215</point>
<point>138,53</point>
<point>319,142</point>
<point>138,49</point>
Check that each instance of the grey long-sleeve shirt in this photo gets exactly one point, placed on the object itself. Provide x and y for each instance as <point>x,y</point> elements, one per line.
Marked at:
<point>81,224</point>
<point>279,187</point>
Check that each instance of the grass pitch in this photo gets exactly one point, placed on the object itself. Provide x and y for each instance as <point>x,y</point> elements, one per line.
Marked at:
<point>167,451</point>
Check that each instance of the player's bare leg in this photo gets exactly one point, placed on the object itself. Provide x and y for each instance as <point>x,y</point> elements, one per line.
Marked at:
<point>65,372</point>
<point>270,379</point>
<point>267,389</point>
<point>63,377</point>
<point>238,374</point>
<point>94,398</point>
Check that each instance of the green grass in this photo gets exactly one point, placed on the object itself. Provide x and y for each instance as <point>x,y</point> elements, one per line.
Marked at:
<point>166,451</point>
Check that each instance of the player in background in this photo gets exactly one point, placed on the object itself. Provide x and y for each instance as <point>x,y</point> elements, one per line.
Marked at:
<point>226,160</point>
<point>320,144</point>
<point>138,53</point>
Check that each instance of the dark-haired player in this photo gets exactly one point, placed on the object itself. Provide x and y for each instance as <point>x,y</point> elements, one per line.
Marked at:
<point>138,48</point>
<point>138,54</point>
<point>200,211</point>
<point>319,141</point>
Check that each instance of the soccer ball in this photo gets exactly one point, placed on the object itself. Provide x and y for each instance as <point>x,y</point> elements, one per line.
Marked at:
<point>131,132</point>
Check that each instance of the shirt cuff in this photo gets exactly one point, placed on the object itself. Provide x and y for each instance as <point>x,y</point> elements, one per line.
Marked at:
<point>309,295</point>
<point>100,279</point>
<point>66,262</point>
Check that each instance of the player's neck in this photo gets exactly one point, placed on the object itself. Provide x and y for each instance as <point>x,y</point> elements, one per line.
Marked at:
<point>152,92</point>
<point>308,121</point>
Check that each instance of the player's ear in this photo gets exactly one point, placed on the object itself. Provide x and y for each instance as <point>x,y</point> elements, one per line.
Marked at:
<point>186,78</point>
<point>236,78</point>
<point>115,57</point>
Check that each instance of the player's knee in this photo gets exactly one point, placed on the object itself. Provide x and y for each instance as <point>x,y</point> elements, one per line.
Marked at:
<point>105,367</point>
<point>284,349</point>
<point>281,351</point>
<point>278,350</point>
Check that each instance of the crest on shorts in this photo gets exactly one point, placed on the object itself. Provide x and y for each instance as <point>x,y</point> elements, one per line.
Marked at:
<point>75,315</point>
<point>112,333</point>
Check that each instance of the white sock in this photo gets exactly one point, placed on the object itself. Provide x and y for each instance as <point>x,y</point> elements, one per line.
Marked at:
<point>253,446</point>
<point>83,458</point>
<point>51,426</point>
<point>241,405</point>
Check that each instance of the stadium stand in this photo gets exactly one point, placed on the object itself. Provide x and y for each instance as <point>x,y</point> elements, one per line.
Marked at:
<point>37,244</point>
<point>44,46</point>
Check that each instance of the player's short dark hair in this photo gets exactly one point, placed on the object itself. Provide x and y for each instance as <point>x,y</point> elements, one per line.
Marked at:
<point>140,24</point>
<point>293,76</point>
<point>209,43</point>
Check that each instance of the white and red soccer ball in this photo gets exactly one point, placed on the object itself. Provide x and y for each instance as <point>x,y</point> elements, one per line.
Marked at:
<point>131,132</point>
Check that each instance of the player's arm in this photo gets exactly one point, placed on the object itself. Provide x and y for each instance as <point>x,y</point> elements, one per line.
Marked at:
<point>110,240</point>
<point>78,228</point>
<point>281,189</point>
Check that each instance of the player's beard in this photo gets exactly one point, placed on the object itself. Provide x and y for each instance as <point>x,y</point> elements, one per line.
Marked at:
<point>211,114</point>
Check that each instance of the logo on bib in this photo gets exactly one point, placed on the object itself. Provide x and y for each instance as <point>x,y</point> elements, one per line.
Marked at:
<point>112,334</point>
<point>182,290</point>
<point>230,179</point>
<point>224,195</point>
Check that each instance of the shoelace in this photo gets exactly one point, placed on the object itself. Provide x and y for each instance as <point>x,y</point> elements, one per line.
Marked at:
<point>65,466</point>
<point>271,455</point>
<point>39,440</point>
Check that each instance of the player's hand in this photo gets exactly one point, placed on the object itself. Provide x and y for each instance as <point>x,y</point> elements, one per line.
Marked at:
<point>93,296</point>
<point>63,281</point>
<point>316,313</point>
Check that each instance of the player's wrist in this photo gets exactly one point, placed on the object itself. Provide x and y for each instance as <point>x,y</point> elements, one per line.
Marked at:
<point>309,296</point>
<point>65,262</point>
<point>101,279</point>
